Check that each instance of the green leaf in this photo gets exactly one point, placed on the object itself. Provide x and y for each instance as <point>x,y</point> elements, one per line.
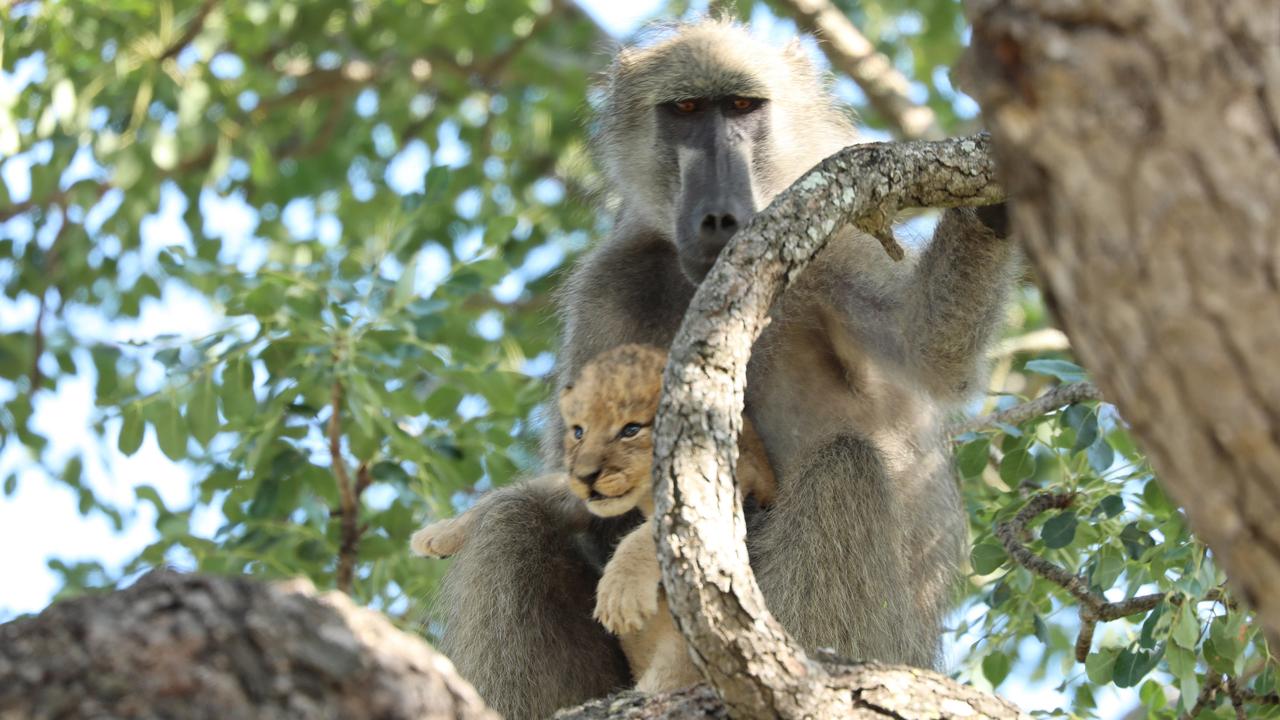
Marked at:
<point>202,412</point>
<point>238,401</point>
<point>1017,466</point>
<point>1109,563</point>
<point>1100,455</point>
<point>1099,665</point>
<point>1087,432</point>
<point>132,428</point>
<point>1132,666</point>
<point>499,231</point>
<point>972,457</point>
<point>1147,639</point>
<point>1059,531</point>
<point>171,431</point>
<point>1155,499</point>
<point>1186,628</point>
<point>10,484</point>
<point>1061,369</point>
<point>996,668</point>
<point>987,557</point>
<point>1136,541</point>
<point>1112,505</point>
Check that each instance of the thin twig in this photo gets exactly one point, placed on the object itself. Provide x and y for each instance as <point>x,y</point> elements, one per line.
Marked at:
<point>854,55</point>
<point>348,494</point>
<point>1208,694</point>
<point>1046,403</point>
<point>1094,607</point>
<point>193,28</point>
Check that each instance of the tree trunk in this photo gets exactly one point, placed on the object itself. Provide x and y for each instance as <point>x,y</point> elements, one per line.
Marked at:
<point>1140,142</point>
<point>186,646</point>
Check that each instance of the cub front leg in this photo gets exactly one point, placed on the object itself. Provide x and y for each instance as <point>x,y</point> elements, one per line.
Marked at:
<point>627,595</point>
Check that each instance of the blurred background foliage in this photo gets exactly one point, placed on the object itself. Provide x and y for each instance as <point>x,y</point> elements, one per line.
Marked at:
<point>302,253</point>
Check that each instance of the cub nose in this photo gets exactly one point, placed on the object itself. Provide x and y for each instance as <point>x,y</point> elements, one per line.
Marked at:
<point>590,478</point>
<point>717,228</point>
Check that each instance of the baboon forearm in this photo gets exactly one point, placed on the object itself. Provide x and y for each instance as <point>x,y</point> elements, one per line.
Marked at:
<point>955,300</point>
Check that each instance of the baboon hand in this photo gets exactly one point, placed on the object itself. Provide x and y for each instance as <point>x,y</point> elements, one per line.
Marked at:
<point>625,601</point>
<point>439,539</point>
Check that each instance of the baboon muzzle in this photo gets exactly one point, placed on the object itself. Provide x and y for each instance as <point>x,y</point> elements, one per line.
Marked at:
<point>716,189</point>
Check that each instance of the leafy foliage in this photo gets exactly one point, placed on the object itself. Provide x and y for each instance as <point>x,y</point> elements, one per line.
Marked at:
<point>371,199</point>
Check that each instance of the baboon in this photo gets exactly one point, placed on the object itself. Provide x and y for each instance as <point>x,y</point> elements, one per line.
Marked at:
<point>608,415</point>
<point>700,127</point>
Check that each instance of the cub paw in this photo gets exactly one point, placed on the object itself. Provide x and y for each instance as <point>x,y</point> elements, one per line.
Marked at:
<point>438,540</point>
<point>624,604</point>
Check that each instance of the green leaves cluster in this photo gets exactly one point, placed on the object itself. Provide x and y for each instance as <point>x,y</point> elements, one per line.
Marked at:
<point>389,166</point>
<point>1124,538</point>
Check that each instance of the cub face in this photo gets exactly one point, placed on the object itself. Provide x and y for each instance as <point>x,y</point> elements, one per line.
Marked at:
<point>608,417</point>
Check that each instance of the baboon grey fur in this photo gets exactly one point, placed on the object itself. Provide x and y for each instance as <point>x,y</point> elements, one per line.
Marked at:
<point>848,386</point>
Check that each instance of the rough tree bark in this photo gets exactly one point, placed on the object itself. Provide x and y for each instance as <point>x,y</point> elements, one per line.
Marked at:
<point>754,666</point>
<point>186,646</point>
<point>1141,144</point>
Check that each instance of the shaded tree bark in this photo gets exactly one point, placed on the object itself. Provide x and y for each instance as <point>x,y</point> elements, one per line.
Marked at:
<point>1141,145</point>
<point>187,646</point>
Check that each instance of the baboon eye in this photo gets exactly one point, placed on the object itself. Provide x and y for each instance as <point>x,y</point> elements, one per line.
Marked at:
<point>629,430</point>
<point>744,105</point>
<point>577,432</point>
<point>685,107</point>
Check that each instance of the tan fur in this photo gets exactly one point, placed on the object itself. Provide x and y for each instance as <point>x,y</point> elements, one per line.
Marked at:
<point>848,388</point>
<point>622,386</point>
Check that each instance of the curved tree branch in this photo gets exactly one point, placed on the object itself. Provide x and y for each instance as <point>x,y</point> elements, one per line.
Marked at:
<point>750,660</point>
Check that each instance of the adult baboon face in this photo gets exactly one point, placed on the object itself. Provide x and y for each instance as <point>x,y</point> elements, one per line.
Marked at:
<point>716,142</point>
<point>700,128</point>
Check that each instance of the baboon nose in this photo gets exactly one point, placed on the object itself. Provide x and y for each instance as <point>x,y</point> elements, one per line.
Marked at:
<point>718,227</point>
<point>590,478</point>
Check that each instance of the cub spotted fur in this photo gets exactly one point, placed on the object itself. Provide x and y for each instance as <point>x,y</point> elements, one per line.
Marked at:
<point>608,416</point>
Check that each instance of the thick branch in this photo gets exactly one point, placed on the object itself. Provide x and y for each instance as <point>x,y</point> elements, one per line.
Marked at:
<point>853,54</point>
<point>750,660</point>
<point>188,647</point>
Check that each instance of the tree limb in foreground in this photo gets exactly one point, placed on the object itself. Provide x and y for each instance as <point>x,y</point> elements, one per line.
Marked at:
<point>190,646</point>
<point>752,663</point>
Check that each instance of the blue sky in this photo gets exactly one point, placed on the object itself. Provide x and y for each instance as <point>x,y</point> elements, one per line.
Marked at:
<point>43,521</point>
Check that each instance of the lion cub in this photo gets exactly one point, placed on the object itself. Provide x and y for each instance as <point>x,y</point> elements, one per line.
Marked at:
<point>608,415</point>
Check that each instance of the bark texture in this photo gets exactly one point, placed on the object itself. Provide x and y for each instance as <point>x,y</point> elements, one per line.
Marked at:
<point>1141,143</point>
<point>749,659</point>
<point>186,646</point>
<point>872,692</point>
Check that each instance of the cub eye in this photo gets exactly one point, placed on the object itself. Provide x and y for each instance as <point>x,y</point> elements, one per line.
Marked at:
<point>630,430</point>
<point>577,432</point>
<point>744,105</point>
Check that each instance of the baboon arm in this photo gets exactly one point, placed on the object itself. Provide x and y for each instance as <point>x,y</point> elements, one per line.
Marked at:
<point>953,303</point>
